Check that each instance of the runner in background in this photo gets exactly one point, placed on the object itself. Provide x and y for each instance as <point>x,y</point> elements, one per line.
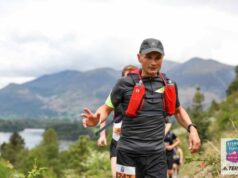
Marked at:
<point>116,131</point>
<point>171,141</point>
<point>178,160</point>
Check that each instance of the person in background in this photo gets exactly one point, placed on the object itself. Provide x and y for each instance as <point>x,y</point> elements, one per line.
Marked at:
<point>140,149</point>
<point>116,131</point>
<point>171,141</point>
<point>177,159</point>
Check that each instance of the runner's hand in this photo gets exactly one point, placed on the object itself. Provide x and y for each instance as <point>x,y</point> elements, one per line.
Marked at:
<point>102,141</point>
<point>194,140</point>
<point>89,119</point>
<point>169,147</point>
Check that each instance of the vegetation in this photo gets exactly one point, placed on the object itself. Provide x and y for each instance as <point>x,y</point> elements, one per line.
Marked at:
<point>234,85</point>
<point>200,117</point>
<point>84,159</point>
<point>219,121</point>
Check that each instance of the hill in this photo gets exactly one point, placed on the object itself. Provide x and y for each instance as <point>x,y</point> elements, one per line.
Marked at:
<point>211,76</point>
<point>64,94</point>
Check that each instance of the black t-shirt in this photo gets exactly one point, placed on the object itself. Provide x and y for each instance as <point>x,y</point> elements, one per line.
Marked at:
<point>144,133</point>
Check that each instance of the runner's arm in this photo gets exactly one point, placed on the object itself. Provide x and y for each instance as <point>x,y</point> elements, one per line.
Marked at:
<point>167,127</point>
<point>181,155</point>
<point>104,111</point>
<point>177,142</point>
<point>184,120</point>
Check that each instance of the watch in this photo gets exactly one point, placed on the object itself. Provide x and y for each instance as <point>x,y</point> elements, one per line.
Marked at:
<point>189,127</point>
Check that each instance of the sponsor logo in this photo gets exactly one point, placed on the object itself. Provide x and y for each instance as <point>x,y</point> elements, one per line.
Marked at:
<point>232,151</point>
<point>229,156</point>
<point>153,44</point>
<point>160,90</point>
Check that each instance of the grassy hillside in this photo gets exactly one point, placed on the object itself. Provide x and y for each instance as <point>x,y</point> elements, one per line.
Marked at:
<point>224,124</point>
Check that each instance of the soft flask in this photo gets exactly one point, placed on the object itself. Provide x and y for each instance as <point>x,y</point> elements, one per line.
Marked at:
<point>136,99</point>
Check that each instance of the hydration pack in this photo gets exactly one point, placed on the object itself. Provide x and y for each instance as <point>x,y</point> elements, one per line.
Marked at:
<point>169,96</point>
<point>137,100</point>
<point>137,97</point>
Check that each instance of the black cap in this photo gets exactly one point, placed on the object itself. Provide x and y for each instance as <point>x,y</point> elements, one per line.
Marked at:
<point>150,45</point>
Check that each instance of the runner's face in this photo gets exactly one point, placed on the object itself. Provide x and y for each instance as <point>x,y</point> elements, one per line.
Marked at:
<point>151,63</point>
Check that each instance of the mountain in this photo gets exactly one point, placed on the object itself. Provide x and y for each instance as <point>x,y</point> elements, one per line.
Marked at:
<point>169,66</point>
<point>209,74</point>
<point>64,94</point>
<point>212,77</point>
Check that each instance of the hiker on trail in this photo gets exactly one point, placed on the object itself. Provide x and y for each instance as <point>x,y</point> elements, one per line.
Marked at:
<point>177,159</point>
<point>102,141</point>
<point>171,141</point>
<point>147,97</point>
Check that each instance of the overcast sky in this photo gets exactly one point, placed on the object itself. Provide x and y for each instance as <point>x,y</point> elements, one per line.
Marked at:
<point>40,37</point>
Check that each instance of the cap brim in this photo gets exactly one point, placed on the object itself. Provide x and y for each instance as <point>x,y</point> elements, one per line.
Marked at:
<point>146,51</point>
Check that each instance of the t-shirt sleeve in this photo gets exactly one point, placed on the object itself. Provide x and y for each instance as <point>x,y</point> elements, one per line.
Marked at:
<point>116,94</point>
<point>108,102</point>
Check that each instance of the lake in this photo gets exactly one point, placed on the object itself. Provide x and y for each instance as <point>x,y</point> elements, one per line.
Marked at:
<point>32,137</point>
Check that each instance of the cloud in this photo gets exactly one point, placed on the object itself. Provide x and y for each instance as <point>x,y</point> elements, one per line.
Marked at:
<point>34,55</point>
<point>46,36</point>
<point>4,81</point>
<point>228,6</point>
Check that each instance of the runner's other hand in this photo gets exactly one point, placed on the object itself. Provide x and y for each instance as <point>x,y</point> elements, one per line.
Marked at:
<point>102,141</point>
<point>89,119</point>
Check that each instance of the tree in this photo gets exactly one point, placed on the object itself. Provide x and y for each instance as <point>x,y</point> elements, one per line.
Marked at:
<point>45,155</point>
<point>17,141</point>
<point>49,147</point>
<point>198,115</point>
<point>234,85</point>
<point>85,160</point>
<point>214,106</point>
<point>50,144</point>
<point>9,151</point>
<point>79,152</point>
<point>50,137</point>
<point>198,99</point>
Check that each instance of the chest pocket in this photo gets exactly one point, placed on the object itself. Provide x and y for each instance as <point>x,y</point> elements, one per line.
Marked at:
<point>154,92</point>
<point>153,101</point>
<point>153,98</point>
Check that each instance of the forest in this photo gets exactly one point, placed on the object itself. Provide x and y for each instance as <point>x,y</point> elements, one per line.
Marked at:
<point>84,159</point>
